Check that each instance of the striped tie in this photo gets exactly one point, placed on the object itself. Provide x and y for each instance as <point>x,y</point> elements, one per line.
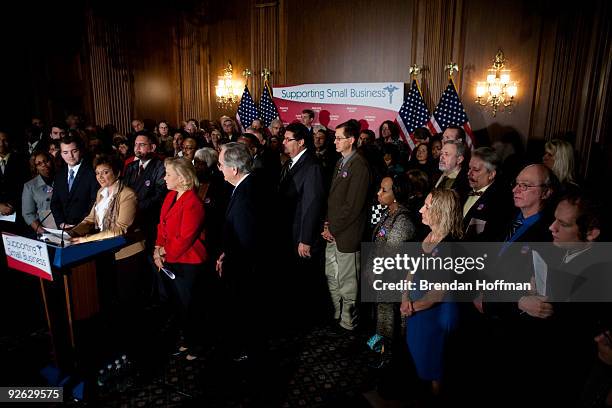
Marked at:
<point>70,179</point>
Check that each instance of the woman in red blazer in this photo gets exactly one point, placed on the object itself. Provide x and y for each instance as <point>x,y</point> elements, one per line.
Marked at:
<point>179,247</point>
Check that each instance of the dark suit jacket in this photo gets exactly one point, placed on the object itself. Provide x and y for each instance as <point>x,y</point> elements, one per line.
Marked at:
<point>15,175</point>
<point>150,188</point>
<point>516,265</point>
<point>302,201</point>
<point>328,160</point>
<point>487,217</point>
<point>347,205</point>
<point>267,166</point>
<point>72,206</point>
<point>11,187</point>
<point>241,232</point>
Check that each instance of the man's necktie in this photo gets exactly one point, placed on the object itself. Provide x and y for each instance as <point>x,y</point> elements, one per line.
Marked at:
<point>70,179</point>
<point>443,182</point>
<point>516,224</point>
<point>2,165</point>
<point>140,170</point>
<point>285,170</point>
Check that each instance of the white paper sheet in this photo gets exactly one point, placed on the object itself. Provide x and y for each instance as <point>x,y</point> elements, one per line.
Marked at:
<point>58,233</point>
<point>168,273</point>
<point>541,271</point>
<point>9,218</point>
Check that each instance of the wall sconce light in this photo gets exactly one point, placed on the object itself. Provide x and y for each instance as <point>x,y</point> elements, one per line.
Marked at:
<point>498,90</point>
<point>228,92</point>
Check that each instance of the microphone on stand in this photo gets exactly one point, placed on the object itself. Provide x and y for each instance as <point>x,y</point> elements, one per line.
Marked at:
<point>45,217</point>
<point>63,227</point>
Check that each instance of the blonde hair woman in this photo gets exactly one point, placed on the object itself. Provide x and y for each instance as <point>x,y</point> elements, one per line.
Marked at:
<point>430,319</point>
<point>559,157</point>
<point>179,248</point>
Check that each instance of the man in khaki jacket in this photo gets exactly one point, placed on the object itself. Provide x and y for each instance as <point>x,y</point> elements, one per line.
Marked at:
<point>346,219</point>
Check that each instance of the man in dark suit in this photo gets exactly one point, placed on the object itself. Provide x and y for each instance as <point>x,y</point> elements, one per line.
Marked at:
<point>579,284</point>
<point>265,165</point>
<point>454,175</point>
<point>13,172</point>
<point>146,177</point>
<point>325,152</point>
<point>75,186</point>
<point>307,119</point>
<point>240,263</point>
<point>346,219</point>
<point>488,204</point>
<point>301,191</point>
<point>302,196</point>
<point>512,314</point>
<point>533,193</point>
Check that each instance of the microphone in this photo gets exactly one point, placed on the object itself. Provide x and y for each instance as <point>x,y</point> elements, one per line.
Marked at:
<point>63,227</point>
<point>45,217</point>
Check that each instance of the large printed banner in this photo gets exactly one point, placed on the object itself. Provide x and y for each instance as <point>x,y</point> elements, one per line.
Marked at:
<point>369,103</point>
<point>27,255</point>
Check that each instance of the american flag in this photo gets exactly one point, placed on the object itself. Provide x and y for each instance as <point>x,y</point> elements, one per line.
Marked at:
<point>412,115</point>
<point>247,111</point>
<point>266,106</point>
<point>450,111</point>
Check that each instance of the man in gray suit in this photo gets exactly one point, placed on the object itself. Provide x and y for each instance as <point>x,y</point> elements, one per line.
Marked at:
<point>346,219</point>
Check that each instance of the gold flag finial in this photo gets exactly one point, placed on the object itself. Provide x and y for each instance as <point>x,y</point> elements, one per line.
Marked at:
<point>415,71</point>
<point>266,74</point>
<point>451,66</point>
<point>246,74</point>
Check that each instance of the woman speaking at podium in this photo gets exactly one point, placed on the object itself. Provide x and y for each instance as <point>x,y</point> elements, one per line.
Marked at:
<point>179,248</point>
<point>113,215</point>
<point>115,208</point>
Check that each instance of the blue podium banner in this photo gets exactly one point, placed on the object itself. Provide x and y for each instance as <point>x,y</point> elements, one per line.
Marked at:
<point>72,254</point>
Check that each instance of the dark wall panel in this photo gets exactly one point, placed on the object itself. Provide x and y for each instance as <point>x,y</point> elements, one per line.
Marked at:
<point>348,41</point>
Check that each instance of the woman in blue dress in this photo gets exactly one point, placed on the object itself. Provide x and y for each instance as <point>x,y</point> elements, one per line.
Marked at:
<point>430,317</point>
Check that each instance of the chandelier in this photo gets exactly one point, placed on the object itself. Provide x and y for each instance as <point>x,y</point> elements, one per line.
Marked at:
<point>227,92</point>
<point>498,91</point>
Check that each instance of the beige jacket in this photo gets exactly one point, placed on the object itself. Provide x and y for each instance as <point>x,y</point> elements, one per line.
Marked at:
<point>122,213</point>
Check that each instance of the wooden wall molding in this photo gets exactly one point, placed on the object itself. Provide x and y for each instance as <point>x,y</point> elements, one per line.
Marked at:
<point>111,79</point>
<point>193,70</point>
<point>438,29</point>
<point>574,79</point>
<point>265,44</point>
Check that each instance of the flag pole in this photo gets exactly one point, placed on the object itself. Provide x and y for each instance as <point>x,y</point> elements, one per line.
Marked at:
<point>415,71</point>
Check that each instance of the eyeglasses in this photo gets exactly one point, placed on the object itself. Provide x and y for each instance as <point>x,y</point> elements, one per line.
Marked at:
<point>341,138</point>
<point>525,186</point>
<point>287,140</point>
<point>141,144</point>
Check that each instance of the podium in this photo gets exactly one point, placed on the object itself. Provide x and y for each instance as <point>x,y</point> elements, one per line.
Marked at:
<point>75,276</point>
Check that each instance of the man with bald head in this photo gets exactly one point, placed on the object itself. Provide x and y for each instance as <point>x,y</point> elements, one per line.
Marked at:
<point>512,334</point>
<point>532,192</point>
